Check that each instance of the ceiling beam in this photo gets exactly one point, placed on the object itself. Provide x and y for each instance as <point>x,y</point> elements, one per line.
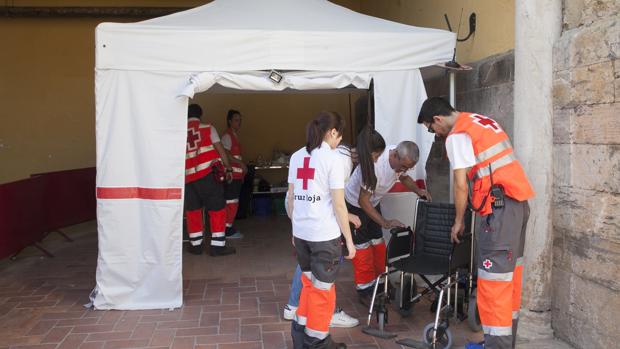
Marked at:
<point>93,12</point>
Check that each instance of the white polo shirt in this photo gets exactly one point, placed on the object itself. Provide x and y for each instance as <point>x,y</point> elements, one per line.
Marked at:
<point>386,178</point>
<point>313,176</point>
<point>460,151</point>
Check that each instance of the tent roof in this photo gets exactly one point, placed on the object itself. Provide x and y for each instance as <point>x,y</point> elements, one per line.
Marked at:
<point>242,35</point>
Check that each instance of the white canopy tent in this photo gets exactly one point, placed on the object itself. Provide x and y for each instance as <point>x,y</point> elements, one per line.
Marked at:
<point>147,71</point>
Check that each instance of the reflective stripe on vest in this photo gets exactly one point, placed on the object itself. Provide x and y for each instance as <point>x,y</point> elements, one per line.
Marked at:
<point>495,165</point>
<point>202,150</point>
<point>492,151</point>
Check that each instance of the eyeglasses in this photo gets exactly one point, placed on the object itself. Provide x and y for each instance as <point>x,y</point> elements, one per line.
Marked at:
<point>429,128</point>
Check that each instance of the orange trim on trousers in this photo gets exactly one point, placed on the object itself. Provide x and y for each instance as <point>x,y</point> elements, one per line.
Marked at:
<point>316,305</point>
<point>494,299</point>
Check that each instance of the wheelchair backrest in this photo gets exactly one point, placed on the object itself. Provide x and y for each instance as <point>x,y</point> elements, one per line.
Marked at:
<point>432,229</point>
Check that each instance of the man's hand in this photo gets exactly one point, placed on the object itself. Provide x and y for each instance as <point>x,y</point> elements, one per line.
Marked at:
<point>351,249</point>
<point>355,220</point>
<point>293,240</point>
<point>457,229</point>
<point>229,177</point>
<point>392,223</point>
<point>423,194</point>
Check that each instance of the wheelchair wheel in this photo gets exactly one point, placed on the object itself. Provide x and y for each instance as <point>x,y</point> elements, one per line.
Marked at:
<point>473,317</point>
<point>444,336</point>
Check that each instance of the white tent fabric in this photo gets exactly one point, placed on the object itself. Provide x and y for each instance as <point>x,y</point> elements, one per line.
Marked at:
<point>259,81</point>
<point>248,35</point>
<point>146,72</point>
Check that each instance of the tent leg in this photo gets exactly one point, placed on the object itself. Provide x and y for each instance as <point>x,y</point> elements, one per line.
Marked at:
<point>63,235</point>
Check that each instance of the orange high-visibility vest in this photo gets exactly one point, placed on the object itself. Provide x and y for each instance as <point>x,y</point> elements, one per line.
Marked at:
<point>235,151</point>
<point>495,160</point>
<point>200,155</point>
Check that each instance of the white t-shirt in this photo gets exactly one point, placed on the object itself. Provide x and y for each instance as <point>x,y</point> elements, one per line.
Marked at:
<point>227,141</point>
<point>345,155</point>
<point>386,178</point>
<point>313,176</point>
<point>460,151</point>
<point>214,136</point>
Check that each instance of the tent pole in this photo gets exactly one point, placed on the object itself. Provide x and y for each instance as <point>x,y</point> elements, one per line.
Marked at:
<point>451,75</point>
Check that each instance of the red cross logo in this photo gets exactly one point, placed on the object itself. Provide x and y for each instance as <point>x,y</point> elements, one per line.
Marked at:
<point>486,122</point>
<point>193,139</point>
<point>305,173</point>
<point>487,264</point>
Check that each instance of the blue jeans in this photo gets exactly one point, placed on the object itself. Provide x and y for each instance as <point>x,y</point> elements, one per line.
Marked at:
<point>293,297</point>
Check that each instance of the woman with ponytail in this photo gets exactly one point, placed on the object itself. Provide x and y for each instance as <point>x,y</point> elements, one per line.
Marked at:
<point>317,209</point>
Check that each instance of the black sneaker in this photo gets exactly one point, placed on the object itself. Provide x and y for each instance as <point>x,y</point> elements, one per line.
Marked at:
<point>217,251</point>
<point>232,233</point>
<point>197,250</point>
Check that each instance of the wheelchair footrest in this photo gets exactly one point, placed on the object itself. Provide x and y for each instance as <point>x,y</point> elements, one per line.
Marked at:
<point>378,333</point>
<point>412,343</point>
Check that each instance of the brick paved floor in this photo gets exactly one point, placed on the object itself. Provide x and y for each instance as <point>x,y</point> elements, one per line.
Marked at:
<point>230,302</point>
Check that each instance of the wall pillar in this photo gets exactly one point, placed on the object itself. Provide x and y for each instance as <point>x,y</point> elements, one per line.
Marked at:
<point>537,28</point>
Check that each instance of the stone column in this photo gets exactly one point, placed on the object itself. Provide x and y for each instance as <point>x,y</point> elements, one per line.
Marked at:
<point>537,28</point>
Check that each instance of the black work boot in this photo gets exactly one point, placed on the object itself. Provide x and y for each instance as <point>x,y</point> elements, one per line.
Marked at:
<point>297,333</point>
<point>365,296</point>
<point>217,251</point>
<point>326,343</point>
<point>197,250</point>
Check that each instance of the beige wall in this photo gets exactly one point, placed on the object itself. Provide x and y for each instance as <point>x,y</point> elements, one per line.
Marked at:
<point>47,120</point>
<point>273,121</point>
<point>47,96</point>
<point>495,21</point>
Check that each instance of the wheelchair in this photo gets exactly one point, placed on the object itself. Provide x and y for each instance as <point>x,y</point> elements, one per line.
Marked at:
<point>427,250</point>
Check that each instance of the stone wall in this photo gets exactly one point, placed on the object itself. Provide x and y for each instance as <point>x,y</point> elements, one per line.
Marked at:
<point>486,89</point>
<point>586,216</point>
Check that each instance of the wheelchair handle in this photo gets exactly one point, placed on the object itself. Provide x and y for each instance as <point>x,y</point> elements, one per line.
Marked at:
<point>398,230</point>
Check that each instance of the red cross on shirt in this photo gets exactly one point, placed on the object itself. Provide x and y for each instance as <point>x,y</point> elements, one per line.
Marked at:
<point>193,139</point>
<point>305,173</point>
<point>486,122</point>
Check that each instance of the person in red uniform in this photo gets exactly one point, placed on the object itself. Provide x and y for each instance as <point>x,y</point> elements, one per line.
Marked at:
<point>206,167</point>
<point>480,153</point>
<point>230,141</point>
<point>319,218</point>
<point>380,168</point>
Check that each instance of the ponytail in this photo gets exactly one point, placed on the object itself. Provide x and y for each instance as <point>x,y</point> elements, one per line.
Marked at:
<point>319,126</point>
<point>369,141</point>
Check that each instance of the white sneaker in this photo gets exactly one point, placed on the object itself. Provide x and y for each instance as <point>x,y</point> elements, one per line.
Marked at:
<point>289,312</point>
<point>342,319</point>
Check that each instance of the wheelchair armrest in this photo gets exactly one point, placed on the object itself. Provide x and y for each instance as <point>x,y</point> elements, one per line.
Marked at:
<point>395,231</point>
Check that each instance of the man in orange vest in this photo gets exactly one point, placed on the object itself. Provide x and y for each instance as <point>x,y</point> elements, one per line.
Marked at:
<point>230,141</point>
<point>204,174</point>
<point>480,152</point>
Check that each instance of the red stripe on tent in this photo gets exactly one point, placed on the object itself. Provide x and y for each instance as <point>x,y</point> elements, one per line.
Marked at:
<point>401,188</point>
<point>139,193</point>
